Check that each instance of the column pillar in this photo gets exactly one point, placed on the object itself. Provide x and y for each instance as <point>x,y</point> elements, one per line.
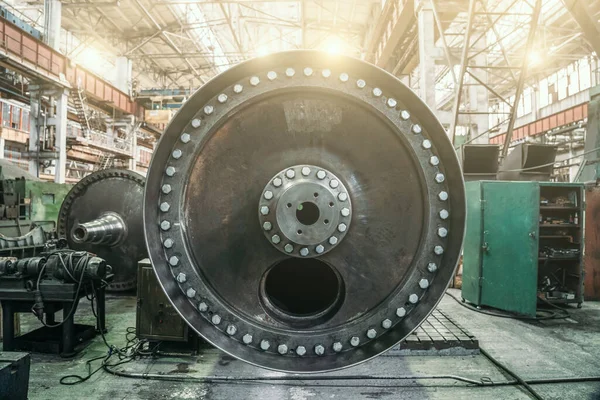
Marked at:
<point>134,150</point>
<point>535,98</point>
<point>479,99</point>
<point>62,99</point>
<point>427,52</point>
<point>124,75</point>
<point>52,21</point>
<point>34,135</point>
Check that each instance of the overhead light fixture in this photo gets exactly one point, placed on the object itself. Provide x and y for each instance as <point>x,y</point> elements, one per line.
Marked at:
<point>334,45</point>
<point>534,59</point>
<point>262,51</point>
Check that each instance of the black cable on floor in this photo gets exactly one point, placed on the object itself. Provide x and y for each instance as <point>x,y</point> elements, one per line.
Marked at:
<point>128,353</point>
<point>291,380</point>
<point>575,379</point>
<point>133,350</point>
<point>295,380</point>
<point>504,368</point>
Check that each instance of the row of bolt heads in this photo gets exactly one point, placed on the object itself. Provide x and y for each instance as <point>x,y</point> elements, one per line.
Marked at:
<point>291,174</point>
<point>319,349</point>
<point>303,251</point>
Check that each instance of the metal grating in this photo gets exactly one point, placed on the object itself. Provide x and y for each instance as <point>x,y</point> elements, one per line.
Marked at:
<point>439,334</point>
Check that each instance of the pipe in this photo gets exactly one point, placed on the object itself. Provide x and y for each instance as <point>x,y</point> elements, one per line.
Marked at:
<point>109,229</point>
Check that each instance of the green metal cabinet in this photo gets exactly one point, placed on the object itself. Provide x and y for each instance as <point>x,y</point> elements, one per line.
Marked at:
<point>501,255</point>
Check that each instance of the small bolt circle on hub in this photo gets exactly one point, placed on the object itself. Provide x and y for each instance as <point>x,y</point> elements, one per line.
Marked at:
<point>305,210</point>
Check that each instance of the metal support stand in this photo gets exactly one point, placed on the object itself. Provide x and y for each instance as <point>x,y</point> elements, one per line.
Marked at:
<point>50,320</point>
<point>8,326</point>
<point>101,310</point>
<point>66,339</point>
<point>68,330</point>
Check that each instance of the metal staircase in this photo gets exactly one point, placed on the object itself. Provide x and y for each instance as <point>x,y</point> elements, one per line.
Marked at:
<point>109,137</point>
<point>79,100</point>
<point>105,161</point>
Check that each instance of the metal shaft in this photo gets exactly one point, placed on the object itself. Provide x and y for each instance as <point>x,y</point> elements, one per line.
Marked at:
<point>109,229</point>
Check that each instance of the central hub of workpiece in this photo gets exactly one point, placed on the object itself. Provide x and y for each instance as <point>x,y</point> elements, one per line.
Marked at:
<point>305,211</point>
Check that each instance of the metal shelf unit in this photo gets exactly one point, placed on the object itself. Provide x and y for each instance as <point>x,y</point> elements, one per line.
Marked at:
<point>518,240</point>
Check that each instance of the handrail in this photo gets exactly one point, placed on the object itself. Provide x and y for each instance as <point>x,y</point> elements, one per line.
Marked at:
<point>27,48</point>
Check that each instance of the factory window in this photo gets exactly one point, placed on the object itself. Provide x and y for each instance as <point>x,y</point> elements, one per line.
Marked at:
<point>552,91</point>
<point>568,81</point>
<point>25,121</point>
<point>525,103</point>
<point>562,83</point>
<point>16,118</point>
<point>544,96</point>
<point>5,114</point>
<point>573,79</point>
<point>585,74</point>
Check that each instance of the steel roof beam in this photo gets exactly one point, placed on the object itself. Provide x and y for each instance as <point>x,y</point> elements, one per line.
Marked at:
<point>167,39</point>
<point>580,11</point>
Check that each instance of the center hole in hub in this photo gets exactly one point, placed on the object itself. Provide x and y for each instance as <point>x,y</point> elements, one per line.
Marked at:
<point>305,291</point>
<point>307,213</point>
<point>79,233</point>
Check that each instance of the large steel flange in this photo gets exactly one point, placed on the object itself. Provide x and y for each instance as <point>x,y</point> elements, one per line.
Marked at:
<point>102,214</point>
<point>304,212</point>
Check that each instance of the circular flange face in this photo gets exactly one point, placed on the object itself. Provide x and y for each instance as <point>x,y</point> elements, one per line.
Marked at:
<point>305,211</point>
<point>223,270</point>
<point>106,192</point>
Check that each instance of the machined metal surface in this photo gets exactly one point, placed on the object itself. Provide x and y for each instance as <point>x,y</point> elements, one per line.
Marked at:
<point>108,229</point>
<point>305,211</point>
<point>254,140</point>
<point>528,162</point>
<point>102,214</point>
<point>34,239</point>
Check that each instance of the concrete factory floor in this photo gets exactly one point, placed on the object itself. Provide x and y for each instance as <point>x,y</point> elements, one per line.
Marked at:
<point>549,349</point>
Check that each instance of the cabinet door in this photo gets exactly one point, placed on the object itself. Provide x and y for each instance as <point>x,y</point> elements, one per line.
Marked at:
<point>510,246</point>
<point>471,273</point>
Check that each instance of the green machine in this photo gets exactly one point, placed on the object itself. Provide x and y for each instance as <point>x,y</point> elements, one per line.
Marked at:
<point>43,201</point>
<point>523,240</point>
<point>25,202</point>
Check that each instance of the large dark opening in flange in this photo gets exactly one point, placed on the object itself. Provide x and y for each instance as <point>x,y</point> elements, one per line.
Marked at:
<point>302,292</point>
<point>307,213</point>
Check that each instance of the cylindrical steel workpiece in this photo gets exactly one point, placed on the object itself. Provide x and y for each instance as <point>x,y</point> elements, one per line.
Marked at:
<point>109,229</point>
<point>102,214</point>
<point>304,212</point>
